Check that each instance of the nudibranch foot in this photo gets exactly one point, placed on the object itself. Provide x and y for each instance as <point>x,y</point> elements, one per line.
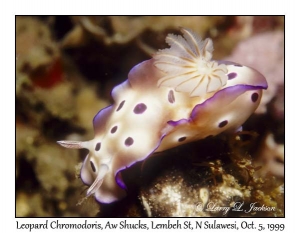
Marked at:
<point>179,96</point>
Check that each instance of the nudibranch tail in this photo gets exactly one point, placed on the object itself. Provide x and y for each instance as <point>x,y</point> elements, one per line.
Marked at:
<point>188,67</point>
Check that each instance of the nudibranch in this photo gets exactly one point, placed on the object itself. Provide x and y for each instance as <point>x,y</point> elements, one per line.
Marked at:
<point>179,96</point>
